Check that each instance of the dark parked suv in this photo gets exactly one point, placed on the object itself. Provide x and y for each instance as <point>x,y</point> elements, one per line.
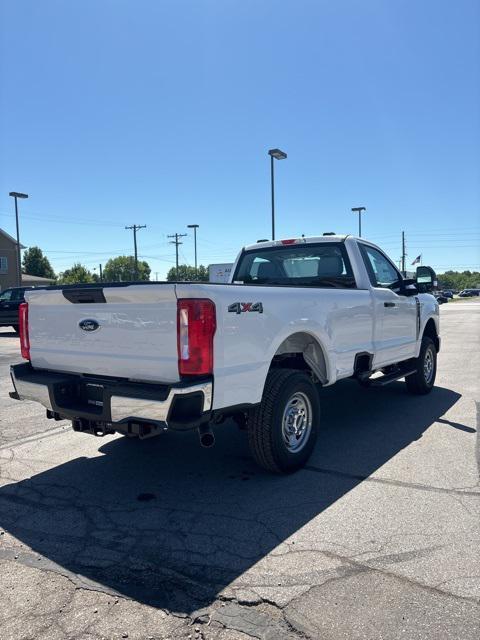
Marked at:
<point>10,300</point>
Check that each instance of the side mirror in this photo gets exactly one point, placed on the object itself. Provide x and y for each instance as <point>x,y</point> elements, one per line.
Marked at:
<point>409,287</point>
<point>426,279</point>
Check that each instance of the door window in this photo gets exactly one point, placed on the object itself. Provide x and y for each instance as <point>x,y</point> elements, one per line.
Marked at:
<point>381,271</point>
<point>6,296</point>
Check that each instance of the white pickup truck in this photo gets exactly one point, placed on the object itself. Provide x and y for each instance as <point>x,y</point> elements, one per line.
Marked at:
<point>298,314</point>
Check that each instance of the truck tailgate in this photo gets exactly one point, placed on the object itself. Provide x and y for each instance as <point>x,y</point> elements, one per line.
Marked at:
<point>136,336</point>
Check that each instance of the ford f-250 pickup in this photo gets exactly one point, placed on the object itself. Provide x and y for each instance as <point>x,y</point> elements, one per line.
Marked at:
<point>141,358</point>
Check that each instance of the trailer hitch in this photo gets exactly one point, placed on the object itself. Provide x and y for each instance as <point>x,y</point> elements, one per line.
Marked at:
<point>94,427</point>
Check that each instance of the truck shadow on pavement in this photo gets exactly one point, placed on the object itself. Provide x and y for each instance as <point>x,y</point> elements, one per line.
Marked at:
<point>170,524</point>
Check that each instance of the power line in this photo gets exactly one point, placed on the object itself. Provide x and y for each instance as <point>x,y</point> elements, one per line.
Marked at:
<point>458,266</point>
<point>445,246</point>
<point>83,221</point>
<point>93,253</point>
<point>439,231</point>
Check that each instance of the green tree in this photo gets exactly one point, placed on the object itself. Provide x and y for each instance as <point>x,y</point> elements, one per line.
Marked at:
<point>185,272</point>
<point>36,264</point>
<point>122,269</point>
<point>457,280</point>
<point>76,274</point>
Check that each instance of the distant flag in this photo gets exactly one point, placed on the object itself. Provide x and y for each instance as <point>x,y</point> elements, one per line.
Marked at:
<point>417,259</point>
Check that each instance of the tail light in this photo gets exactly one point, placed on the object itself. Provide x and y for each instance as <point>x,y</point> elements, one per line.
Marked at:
<point>23,328</point>
<point>196,328</point>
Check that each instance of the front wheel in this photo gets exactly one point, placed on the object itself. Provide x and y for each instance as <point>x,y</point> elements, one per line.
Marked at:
<point>282,430</point>
<point>422,381</point>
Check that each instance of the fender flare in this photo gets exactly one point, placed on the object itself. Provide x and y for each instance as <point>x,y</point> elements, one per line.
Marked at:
<point>429,326</point>
<point>313,349</point>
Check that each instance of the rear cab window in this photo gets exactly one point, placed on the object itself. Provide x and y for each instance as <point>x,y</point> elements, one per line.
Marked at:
<point>301,265</point>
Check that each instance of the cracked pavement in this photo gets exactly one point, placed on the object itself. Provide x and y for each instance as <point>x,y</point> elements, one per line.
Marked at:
<point>379,537</point>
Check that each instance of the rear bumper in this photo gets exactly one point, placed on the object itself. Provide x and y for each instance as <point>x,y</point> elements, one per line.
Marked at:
<point>180,406</point>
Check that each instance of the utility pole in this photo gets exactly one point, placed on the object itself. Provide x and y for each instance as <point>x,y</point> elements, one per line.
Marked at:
<point>403,253</point>
<point>101,272</point>
<point>135,228</point>
<point>176,242</point>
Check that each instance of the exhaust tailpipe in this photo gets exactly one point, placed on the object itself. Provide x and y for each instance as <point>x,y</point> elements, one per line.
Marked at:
<point>206,435</point>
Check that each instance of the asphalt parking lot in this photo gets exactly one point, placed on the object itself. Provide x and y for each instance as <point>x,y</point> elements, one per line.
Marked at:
<point>378,538</point>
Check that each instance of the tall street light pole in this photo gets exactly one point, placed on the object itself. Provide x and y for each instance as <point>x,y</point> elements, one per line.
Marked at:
<point>359,211</point>
<point>16,195</point>
<point>194,227</point>
<point>135,228</point>
<point>276,154</point>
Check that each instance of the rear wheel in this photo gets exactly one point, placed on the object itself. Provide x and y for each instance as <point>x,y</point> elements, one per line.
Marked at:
<point>282,430</point>
<point>422,381</point>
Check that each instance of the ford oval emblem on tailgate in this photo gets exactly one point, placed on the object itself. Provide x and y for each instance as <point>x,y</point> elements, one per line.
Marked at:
<point>89,325</point>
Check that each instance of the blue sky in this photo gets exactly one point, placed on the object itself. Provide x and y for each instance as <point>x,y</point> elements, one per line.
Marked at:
<point>114,112</point>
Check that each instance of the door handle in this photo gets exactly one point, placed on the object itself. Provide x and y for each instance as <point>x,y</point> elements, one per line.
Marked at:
<point>389,304</point>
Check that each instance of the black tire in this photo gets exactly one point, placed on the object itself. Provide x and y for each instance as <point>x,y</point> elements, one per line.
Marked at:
<point>284,388</point>
<point>422,381</point>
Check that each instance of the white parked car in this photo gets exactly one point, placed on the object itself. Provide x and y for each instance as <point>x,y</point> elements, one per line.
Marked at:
<point>140,358</point>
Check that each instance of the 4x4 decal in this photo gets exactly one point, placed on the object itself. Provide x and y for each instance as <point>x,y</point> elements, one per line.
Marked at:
<point>245,307</point>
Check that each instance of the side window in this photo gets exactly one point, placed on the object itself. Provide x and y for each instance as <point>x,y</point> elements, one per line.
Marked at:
<point>6,296</point>
<point>3,264</point>
<point>380,270</point>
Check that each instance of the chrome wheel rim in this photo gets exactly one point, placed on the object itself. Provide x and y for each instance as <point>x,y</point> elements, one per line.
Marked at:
<point>297,422</point>
<point>428,365</point>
